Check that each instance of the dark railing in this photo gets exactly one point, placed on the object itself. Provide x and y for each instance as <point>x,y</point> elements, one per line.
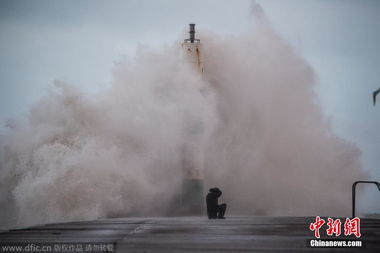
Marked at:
<point>354,189</point>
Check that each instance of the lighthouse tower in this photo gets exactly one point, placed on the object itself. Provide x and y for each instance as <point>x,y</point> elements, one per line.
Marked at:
<point>192,198</point>
<point>192,51</point>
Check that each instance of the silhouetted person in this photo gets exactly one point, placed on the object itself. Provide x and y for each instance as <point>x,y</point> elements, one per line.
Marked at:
<point>214,210</point>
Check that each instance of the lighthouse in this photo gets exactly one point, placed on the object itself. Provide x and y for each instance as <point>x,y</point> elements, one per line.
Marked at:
<point>192,51</point>
<point>192,200</point>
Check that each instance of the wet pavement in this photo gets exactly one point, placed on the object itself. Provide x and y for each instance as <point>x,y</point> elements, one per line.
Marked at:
<point>185,234</point>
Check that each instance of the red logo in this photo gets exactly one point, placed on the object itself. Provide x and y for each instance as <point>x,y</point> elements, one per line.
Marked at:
<point>317,225</point>
<point>334,227</point>
<point>351,226</point>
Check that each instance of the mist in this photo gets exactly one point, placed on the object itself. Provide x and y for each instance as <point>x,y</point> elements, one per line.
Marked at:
<point>263,140</point>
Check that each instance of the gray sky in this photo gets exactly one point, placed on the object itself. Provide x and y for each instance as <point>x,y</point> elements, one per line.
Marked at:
<point>77,41</point>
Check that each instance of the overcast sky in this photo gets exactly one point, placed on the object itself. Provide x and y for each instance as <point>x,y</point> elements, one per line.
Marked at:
<point>77,41</point>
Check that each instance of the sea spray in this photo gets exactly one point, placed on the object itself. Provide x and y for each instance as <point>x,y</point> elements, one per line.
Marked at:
<point>119,152</point>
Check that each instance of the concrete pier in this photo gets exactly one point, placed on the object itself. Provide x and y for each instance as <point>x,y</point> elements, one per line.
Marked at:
<point>188,234</point>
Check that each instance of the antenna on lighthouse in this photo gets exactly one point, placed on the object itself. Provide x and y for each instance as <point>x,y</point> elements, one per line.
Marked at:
<point>192,34</point>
